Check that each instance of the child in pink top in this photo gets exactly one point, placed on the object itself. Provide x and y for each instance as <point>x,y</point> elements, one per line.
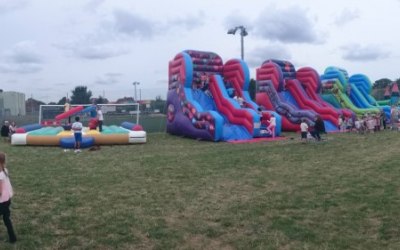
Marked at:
<point>272,125</point>
<point>6,192</point>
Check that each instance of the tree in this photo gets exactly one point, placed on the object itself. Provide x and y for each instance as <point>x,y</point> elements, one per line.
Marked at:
<point>101,100</point>
<point>381,83</point>
<point>80,95</point>
<point>398,81</point>
<point>252,89</point>
<point>62,101</point>
<point>159,104</point>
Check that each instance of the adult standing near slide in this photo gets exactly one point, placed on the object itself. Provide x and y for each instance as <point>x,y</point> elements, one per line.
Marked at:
<point>100,118</point>
<point>67,107</point>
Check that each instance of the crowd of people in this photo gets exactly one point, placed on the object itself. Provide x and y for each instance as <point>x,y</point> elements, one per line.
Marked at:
<point>368,123</point>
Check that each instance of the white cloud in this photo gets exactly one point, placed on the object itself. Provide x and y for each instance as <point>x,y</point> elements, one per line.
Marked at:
<point>234,19</point>
<point>21,59</point>
<point>95,46</point>
<point>346,16</point>
<point>108,79</point>
<point>93,5</point>
<point>11,5</point>
<point>188,23</point>
<point>257,56</point>
<point>357,52</point>
<point>99,51</point>
<point>133,25</point>
<point>290,25</point>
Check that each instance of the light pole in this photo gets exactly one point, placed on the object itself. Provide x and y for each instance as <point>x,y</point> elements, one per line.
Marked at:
<point>134,84</point>
<point>243,33</point>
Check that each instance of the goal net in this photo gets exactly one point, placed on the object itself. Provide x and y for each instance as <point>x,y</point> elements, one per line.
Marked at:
<point>113,113</point>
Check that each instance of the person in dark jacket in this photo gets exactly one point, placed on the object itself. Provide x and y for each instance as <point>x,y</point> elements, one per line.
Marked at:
<point>5,130</point>
<point>319,127</point>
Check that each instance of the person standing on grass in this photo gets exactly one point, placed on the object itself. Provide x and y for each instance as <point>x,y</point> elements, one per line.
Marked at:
<point>77,128</point>
<point>340,121</point>
<point>100,118</point>
<point>382,116</point>
<point>394,117</point>
<point>12,129</point>
<point>272,125</point>
<point>6,193</point>
<point>319,127</point>
<point>5,130</point>
<point>303,130</point>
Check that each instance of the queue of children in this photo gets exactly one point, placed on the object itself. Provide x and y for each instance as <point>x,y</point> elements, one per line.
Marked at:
<point>367,123</point>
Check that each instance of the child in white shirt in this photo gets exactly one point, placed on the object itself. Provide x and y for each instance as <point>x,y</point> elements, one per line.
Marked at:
<point>304,130</point>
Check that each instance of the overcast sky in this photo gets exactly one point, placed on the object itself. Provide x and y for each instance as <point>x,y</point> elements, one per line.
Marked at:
<point>48,47</point>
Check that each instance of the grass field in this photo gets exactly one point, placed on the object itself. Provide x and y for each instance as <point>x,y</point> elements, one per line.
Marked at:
<point>176,193</point>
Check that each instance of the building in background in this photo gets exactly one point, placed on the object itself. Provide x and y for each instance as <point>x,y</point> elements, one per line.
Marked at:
<point>12,104</point>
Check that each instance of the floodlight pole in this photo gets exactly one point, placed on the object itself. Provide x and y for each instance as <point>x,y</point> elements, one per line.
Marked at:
<point>243,33</point>
<point>134,84</point>
<point>242,46</point>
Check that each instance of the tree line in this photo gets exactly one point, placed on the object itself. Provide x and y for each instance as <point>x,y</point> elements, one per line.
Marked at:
<point>379,87</point>
<point>82,95</point>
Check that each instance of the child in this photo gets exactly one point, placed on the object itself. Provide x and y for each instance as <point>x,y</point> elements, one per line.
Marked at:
<point>12,129</point>
<point>239,99</point>
<point>340,121</point>
<point>349,124</point>
<point>358,126</point>
<point>370,124</point>
<point>342,124</point>
<point>6,193</point>
<point>272,125</point>
<point>100,118</point>
<point>77,128</point>
<point>304,130</point>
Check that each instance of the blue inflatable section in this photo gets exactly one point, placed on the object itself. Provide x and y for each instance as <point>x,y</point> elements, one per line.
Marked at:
<point>358,99</point>
<point>363,85</point>
<point>69,142</point>
<point>330,127</point>
<point>31,127</point>
<point>229,131</point>
<point>287,96</point>
<point>128,125</point>
<point>234,132</point>
<point>91,109</point>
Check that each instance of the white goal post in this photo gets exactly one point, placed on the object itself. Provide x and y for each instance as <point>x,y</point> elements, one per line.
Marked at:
<point>49,112</point>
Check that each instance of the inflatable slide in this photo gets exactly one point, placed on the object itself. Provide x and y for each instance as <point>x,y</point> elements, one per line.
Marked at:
<point>291,100</point>
<point>364,98</point>
<point>236,73</point>
<point>199,105</point>
<point>340,93</point>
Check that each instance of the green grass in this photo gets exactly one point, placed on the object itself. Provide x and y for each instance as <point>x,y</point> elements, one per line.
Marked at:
<point>176,193</point>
